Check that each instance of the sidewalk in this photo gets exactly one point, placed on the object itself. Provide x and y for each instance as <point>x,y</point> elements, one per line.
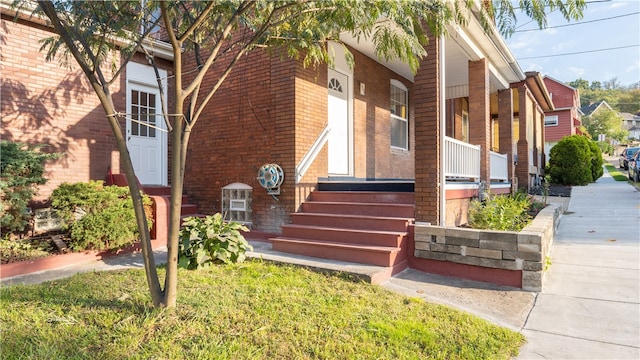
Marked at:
<point>589,307</point>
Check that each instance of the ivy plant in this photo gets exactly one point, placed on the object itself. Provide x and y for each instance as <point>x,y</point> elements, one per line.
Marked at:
<point>205,241</point>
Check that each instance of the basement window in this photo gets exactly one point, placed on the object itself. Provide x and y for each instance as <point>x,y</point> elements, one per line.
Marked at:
<point>237,199</point>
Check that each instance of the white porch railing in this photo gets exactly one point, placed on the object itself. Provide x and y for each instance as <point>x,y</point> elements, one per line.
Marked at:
<point>462,160</point>
<point>499,167</point>
<point>310,156</point>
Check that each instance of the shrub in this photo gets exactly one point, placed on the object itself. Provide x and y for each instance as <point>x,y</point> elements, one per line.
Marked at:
<point>596,161</point>
<point>500,212</point>
<point>605,147</point>
<point>570,161</point>
<point>205,241</point>
<point>21,169</point>
<point>23,249</point>
<point>98,217</point>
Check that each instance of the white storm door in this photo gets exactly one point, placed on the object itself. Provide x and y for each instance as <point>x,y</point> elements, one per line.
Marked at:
<point>338,120</point>
<point>145,141</point>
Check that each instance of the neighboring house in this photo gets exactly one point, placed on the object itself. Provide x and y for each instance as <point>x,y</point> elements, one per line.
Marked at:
<point>566,118</point>
<point>631,122</point>
<point>469,122</point>
<point>595,107</point>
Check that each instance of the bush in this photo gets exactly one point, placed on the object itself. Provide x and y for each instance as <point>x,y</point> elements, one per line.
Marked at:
<point>21,170</point>
<point>23,249</point>
<point>501,212</point>
<point>606,148</point>
<point>596,161</point>
<point>98,217</point>
<point>570,161</point>
<point>205,241</point>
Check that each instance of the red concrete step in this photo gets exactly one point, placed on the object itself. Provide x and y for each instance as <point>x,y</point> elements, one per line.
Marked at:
<point>354,208</point>
<point>373,255</point>
<point>157,190</point>
<point>352,221</point>
<point>347,236</point>
<point>363,197</point>
<point>188,209</point>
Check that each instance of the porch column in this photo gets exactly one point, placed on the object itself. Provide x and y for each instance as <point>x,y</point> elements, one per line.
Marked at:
<point>427,135</point>
<point>480,113</point>
<point>505,126</point>
<point>522,168</point>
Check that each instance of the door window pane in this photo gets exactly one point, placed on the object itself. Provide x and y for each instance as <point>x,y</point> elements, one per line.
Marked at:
<point>143,114</point>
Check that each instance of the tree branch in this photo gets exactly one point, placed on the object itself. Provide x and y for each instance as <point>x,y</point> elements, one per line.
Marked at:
<point>225,32</point>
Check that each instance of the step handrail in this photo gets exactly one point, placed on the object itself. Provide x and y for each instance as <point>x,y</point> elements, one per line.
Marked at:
<point>312,153</point>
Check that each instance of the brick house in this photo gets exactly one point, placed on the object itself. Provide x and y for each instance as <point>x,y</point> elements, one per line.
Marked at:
<point>413,148</point>
<point>566,118</point>
<point>408,148</point>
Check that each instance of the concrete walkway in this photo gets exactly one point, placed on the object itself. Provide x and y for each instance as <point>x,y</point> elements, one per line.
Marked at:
<point>589,307</point>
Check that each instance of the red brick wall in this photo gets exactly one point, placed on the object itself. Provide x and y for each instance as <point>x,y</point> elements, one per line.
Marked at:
<point>374,157</point>
<point>427,135</point>
<point>479,113</point>
<point>46,103</point>
<point>522,168</point>
<point>271,111</point>
<point>505,118</point>
<point>240,130</point>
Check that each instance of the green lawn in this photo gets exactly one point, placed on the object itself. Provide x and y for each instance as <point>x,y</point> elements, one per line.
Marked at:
<point>255,310</point>
<point>616,174</point>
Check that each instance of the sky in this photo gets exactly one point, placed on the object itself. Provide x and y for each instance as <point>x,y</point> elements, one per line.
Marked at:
<point>585,48</point>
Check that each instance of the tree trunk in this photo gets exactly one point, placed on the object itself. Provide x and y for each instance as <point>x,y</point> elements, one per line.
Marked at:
<point>141,217</point>
<point>177,176</point>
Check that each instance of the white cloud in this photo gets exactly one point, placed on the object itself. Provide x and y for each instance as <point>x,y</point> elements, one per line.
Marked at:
<point>634,67</point>
<point>521,44</point>
<point>618,4</point>
<point>576,71</point>
<point>531,67</point>
<point>563,47</point>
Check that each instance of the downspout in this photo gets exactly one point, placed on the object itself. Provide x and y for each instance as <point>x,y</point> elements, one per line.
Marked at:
<point>443,123</point>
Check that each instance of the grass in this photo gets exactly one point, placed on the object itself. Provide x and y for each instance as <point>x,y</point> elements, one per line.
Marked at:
<point>254,310</point>
<point>616,174</point>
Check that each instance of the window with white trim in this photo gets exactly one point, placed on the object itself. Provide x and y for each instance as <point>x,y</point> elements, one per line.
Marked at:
<point>551,120</point>
<point>399,115</point>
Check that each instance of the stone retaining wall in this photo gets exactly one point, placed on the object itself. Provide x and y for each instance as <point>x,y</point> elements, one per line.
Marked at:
<point>524,251</point>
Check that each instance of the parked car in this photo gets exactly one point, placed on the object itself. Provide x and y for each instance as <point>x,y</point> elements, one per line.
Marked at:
<point>626,155</point>
<point>634,167</point>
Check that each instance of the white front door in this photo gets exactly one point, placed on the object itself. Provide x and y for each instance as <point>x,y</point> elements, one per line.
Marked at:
<point>146,135</point>
<point>145,140</point>
<point>338,120</point>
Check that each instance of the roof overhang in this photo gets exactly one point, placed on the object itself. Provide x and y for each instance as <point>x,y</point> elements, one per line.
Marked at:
<point>462,44</point>
<point>536,85</point>
<point>156,47</point>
